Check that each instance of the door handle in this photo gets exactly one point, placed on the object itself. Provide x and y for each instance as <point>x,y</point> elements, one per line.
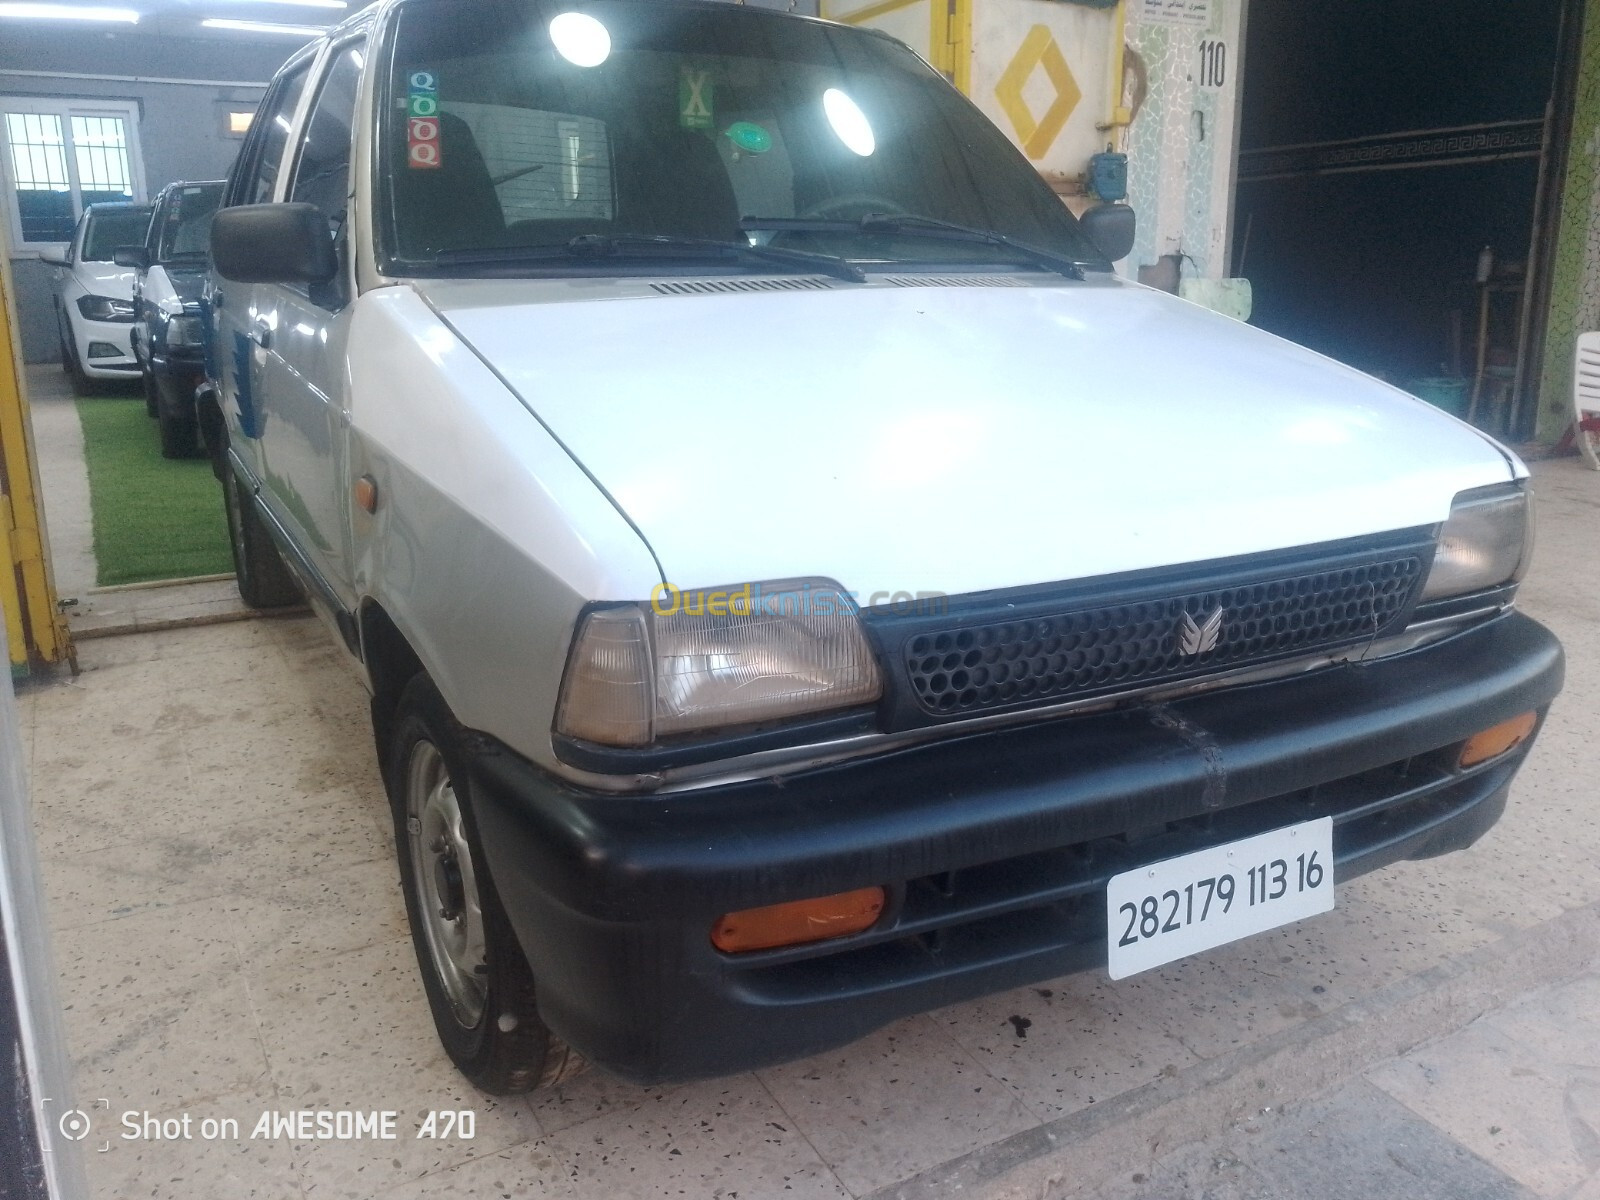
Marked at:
<point>261,334</point>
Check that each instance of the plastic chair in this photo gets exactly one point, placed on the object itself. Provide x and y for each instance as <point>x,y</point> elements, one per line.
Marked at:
<point>1586,398</point>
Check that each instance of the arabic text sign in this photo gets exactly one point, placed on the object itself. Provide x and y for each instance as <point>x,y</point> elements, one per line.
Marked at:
<point>1175,12</point>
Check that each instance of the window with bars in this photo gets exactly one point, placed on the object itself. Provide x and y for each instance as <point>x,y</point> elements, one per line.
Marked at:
<point>59,157</point>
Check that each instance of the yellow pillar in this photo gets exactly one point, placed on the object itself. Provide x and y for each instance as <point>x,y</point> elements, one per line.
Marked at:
<point>36,632</point>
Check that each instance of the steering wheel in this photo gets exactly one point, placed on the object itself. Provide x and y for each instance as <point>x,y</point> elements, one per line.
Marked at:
<point>852,207</point>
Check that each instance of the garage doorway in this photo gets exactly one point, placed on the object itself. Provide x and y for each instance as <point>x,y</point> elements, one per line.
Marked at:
<point>1396,176</point>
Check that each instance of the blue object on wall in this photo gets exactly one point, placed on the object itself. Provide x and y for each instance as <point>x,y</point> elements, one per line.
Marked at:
<point>1108,176</point>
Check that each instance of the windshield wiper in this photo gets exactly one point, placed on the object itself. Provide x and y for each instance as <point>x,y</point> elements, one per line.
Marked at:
<point>598,245</point>
<point>928,227</point>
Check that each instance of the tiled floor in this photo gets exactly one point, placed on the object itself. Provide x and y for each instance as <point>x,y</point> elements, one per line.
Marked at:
<point>230,939</point>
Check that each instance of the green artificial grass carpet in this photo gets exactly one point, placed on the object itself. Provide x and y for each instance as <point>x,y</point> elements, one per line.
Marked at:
<point>154,518</point>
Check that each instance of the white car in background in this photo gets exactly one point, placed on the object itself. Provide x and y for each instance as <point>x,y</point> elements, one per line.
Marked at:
<point>94,296</point>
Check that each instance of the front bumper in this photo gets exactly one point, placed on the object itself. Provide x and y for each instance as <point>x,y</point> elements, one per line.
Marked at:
<point>92,334</point>
<point>995,848</point>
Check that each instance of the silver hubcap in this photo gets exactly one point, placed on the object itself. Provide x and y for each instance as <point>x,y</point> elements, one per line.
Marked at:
<point>447,887</point>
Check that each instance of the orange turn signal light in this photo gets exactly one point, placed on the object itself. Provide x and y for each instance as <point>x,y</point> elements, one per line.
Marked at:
<point>798,922</point>
<point>1497,739</point>
<point>367,494</point>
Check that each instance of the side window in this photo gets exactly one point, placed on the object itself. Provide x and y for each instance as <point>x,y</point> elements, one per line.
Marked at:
<point>271,136</point>
<point>322,174</point>
<point>153,234</point>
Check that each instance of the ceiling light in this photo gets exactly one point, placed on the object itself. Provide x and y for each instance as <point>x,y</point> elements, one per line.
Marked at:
<point>307,3</point>
<point>309,31</point>
<point>68,12</point>
<point>580,39</point>
<point>849,122</point>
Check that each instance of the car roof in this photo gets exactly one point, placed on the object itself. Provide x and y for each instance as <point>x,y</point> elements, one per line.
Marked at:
<point>115,206</point>
<point>375,11</point>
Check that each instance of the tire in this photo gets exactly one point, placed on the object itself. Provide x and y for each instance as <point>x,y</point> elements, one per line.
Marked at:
<point>152,396</point>
<point>477,979</point>
<point>180,436</point>
<point>82,385</point>
<point>264,581</point>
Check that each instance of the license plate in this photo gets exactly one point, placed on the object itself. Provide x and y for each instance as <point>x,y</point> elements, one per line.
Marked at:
<point>1171,909</point>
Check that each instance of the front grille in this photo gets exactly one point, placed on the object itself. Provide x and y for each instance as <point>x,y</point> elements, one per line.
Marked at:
<point>1110,646</point>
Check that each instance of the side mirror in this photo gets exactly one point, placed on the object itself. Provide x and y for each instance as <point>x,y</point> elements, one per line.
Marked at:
<point>51,258</point>
<point>273,243</point>
<point>135,257</point>
<point>1111,228</point>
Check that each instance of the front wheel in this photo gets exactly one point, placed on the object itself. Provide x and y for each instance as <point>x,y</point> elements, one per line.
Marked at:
<point>152,397</point>
<point>477,979</point>
<point>82,385</point>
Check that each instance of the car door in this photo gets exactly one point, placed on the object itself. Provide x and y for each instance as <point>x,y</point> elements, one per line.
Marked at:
<point>236,357</point>
<point>303,367</point>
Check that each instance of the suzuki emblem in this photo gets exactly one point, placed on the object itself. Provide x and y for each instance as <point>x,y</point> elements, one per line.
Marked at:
<point>1199,638</point>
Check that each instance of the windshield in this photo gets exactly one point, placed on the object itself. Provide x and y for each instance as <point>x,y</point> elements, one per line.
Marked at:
<point>112,228</point>
<point>184,222</point>
<point>519,125</point>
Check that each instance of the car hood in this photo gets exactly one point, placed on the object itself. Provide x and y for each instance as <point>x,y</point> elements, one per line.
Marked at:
<point>187,281</point>
<point>912,437</point>
<point>105,279</point>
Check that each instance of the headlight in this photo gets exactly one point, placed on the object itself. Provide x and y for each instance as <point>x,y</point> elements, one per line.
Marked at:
<point>105,308</point>
<point>725,656</point>
<point>1487,541</point>
<point>186,332</point>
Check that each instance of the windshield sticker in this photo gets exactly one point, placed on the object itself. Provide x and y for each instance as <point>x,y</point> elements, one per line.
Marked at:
<point>695,98</point>
<point>749,137</point>
<point>422,120</point>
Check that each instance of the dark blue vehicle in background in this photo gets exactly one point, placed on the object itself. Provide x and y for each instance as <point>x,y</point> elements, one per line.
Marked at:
<point>169,321</point>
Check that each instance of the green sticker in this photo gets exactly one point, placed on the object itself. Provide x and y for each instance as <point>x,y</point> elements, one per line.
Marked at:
<point>749,137</point>
<point>695,98</point>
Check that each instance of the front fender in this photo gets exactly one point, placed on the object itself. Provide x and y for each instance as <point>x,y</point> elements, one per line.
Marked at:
<point>487,538</point>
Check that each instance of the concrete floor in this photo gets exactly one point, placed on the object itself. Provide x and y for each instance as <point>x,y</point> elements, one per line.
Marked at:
<point>230,939</point>
<point>58,447</point>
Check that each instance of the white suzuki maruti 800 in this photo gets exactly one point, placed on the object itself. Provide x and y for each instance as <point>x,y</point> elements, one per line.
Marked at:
<point>799,584</point>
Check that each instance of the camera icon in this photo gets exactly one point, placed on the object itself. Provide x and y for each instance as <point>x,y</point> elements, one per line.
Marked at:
<point>74,1124</point>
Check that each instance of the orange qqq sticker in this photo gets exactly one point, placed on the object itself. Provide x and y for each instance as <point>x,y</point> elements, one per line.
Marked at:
<point>422,121</point>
